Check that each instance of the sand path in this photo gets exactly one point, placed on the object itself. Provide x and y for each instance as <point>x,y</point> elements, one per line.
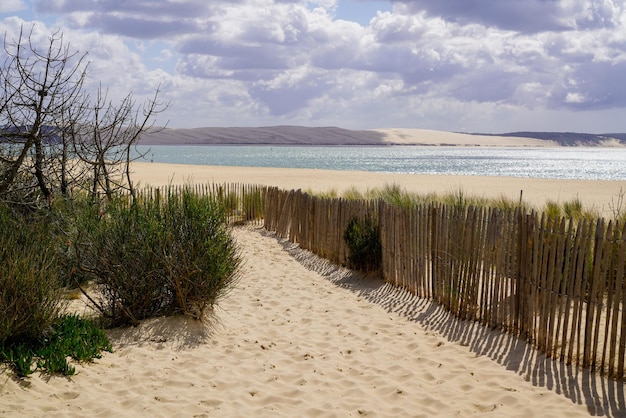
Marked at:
<point>300,337</point>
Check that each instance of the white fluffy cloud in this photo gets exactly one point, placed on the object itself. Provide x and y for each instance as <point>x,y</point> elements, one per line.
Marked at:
<point>468,65</point>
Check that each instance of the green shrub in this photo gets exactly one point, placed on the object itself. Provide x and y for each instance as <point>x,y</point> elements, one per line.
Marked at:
<point>33,336</point>
<point>158,256</point>
<point>363,240</point>
<point>30,277</point>
<point>74,220</point>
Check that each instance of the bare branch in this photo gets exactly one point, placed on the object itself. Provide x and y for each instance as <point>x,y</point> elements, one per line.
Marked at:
<point>53,137</point>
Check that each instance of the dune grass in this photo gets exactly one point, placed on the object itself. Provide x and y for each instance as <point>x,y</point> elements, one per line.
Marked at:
<point>459,198</point>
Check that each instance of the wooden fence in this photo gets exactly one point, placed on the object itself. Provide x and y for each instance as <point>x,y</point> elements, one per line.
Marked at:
<point>561,286</point>
<point>243,202</point>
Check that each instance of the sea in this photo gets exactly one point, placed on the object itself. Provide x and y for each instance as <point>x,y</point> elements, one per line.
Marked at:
<point>550,163</point>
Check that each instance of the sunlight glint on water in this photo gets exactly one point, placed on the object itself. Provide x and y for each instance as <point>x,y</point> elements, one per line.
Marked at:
<point>555,163</point>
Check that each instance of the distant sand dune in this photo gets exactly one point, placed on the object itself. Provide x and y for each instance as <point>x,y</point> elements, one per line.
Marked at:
<point>300,135</point>
<point>427,137</point>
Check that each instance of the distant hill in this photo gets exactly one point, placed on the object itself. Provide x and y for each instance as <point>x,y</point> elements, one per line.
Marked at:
<point>50,134</point>
<point>327,136</point>
<point>270,135</point>
<point>568,138</point>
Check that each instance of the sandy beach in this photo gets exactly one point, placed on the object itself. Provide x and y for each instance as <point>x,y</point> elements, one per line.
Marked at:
<point>600,195</point>
<point>300,337</point>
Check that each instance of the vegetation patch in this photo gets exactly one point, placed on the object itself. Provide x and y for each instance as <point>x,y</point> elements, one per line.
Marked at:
<point>363,239</point>
<point>30,277</point>
<point>395,195</point>
<point>70,337</point>
<point>156,255</point>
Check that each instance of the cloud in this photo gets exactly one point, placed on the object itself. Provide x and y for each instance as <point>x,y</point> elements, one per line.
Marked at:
<point>593,86</point>
<point>9,6</point>
<point>528,16</point>
<point>290,91</point>
<point>420,63</point>
<point>145,20</point>
<point>168,9</point>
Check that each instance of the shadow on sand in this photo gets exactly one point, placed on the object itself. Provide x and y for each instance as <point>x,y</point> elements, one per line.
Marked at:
<point>602,396</point>
<point>177,332</point>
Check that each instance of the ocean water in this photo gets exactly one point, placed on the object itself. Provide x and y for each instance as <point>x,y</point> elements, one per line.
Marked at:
<point>550,163</point>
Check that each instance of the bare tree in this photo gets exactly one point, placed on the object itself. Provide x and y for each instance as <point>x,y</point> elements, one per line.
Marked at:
<point>106,145</point>
<point>38,85</point>
<point>52,137</point>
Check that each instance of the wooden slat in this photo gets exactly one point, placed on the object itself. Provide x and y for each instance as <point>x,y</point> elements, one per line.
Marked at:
<point>619,373</point>
<point>565,289</point>
<point>618,306</point>
<point>591,297</point>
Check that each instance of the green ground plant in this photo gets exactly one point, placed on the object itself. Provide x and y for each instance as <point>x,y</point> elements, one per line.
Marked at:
<point>396,195</point>
<point>506,204</point>
<point>231,202</point>
<point>328,194</point>
<point>353,194</point>
<point>553,209</point>
<point>573,208</point>
<point>618,207</point>
<point>69,337</point>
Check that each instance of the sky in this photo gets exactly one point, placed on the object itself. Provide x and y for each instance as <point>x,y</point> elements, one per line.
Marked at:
<point>488,66</point>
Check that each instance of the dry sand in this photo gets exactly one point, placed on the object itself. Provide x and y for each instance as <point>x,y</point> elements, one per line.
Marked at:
<point>300,337</point>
